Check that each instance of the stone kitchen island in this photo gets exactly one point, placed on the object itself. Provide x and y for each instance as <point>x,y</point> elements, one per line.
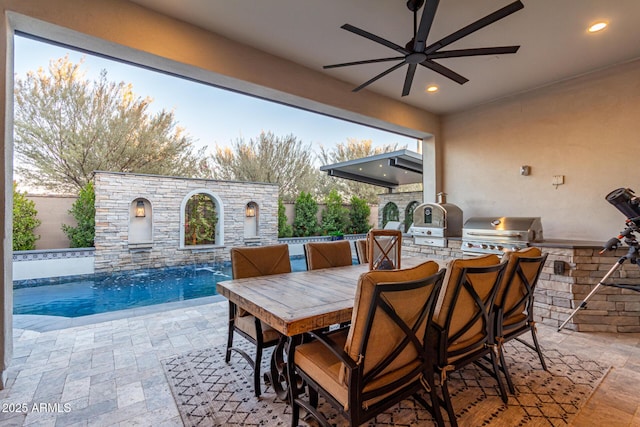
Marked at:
<point>572,270</point>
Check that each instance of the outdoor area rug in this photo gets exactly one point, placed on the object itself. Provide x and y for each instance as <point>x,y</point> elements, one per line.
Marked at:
<point>208,392</point>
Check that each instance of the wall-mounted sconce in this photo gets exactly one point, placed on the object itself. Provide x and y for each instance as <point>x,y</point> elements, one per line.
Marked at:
<point>140,213</point>
<point>251,210</point>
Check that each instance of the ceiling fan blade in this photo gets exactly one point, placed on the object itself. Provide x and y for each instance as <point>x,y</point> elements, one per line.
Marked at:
<point>408,80</point>
<point>428,13</point>
<point>367,61</point>
<point>375,38</point>
<point>499,50</point>
<point>475,26</point>
<point>384,73</point>
<point>447,72</point>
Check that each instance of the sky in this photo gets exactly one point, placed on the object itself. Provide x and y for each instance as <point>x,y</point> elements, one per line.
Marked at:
<point>212,116</point>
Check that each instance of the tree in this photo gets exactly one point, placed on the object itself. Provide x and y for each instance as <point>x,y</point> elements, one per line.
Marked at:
<point>351,150</point>
<point>359,216</point>
<point>284,229</point>
<point>67,127</point>
<point>201,221</point>
<point>335,217</point>
<point>305,222</point>
<point>280,160</point>
<point>25,222</point>
<point>83,211</point>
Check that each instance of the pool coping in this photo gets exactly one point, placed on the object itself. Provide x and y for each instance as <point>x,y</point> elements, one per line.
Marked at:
<point>41,323</point>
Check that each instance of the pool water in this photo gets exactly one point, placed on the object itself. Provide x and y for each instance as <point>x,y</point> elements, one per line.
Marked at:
<point>100,294</point>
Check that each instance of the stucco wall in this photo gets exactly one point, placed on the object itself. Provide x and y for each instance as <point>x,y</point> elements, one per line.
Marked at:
<point>585,129</point>
<point>115,193</point>
<point>53,211</point>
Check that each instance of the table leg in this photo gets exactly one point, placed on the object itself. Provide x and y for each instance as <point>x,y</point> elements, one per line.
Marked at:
<point>277,375</point>
<point>296,386</point>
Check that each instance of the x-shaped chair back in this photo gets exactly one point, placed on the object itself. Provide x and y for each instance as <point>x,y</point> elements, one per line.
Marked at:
<point>515,296</point>
<point>385,247</point>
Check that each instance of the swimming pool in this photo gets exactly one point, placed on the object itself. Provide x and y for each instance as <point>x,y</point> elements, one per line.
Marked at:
<point>105,293</point>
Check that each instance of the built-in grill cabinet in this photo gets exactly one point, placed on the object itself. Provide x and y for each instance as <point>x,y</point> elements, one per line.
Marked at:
<point>491,235</point>
<point>433,223</point>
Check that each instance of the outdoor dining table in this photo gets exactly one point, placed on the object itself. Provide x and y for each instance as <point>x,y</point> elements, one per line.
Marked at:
<point>298,302</point>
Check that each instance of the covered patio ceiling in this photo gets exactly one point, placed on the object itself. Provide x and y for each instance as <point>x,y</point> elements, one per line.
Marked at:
<point>387,170</point>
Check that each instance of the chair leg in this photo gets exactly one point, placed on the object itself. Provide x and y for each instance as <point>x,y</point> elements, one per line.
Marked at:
<point>496,369</point>
<point>435,403</point>
<point>313,397</point>
<point>535,343</point>
<point>505,370</point>
<point>444,387</point>
<point>232,310</point>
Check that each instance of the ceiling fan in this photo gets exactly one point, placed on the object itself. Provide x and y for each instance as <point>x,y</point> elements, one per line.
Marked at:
<point>417,52</point>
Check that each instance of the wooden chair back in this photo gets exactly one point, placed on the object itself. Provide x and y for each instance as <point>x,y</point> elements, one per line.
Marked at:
<point>385,249</point>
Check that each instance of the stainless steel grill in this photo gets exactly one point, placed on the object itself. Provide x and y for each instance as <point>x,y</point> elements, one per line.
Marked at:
<point>433,223</point>
<point>490,235</point>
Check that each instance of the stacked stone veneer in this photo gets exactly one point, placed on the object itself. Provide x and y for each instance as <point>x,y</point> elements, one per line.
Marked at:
<point>402,200</point>
<point>610,309</point>
<point>116,191</point>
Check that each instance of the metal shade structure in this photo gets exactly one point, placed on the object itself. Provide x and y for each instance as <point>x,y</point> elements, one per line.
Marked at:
<point>388,170</point>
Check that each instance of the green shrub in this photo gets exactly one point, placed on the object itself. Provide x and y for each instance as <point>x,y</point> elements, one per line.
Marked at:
<point>284,229</point>
<point>84,212</point>
<point>305,222</point>
<point>201,219</point>
<point>335,217</point>
<point>359,216</point>
<point>24,222</point>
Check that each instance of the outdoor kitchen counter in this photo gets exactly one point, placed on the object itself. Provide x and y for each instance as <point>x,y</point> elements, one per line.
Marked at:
<point>569,244</point>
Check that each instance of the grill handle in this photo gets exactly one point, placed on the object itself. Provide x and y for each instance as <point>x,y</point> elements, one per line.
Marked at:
<point>475,233</point>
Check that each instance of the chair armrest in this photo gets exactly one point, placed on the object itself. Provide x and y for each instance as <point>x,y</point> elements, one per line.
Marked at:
<point>325,338</point>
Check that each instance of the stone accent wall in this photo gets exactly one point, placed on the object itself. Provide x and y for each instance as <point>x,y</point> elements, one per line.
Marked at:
<point>401,200</point>
<point>116,191</point>
<point>440,255</point>
<point>610,309</point>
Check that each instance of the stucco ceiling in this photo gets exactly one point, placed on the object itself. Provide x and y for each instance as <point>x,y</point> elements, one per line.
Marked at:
<point>552,34</point>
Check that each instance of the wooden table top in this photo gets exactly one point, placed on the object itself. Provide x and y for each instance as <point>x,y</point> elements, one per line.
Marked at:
<point>293,303</point>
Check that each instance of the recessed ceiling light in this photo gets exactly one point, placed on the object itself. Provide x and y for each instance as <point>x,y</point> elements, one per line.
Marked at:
<point>432,88</point>
<point>598,26</point>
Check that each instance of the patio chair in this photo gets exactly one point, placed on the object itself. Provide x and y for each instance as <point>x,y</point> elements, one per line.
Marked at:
<point>384,248</point>
<point>361,251</point>
<point>328,254</point>
<point>252,262</point>
<point>382,358</point>
<point>462,330</point>
<point>514,303</point>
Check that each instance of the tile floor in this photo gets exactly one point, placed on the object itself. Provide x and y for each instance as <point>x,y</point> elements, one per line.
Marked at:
<point>109,374</point>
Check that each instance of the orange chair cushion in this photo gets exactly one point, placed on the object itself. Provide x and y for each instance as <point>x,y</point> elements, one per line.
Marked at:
<point>387,335</point>
<point>465,304</point>
<point>512,258</point>
<point>328,254</point>
<point>260,261</point>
